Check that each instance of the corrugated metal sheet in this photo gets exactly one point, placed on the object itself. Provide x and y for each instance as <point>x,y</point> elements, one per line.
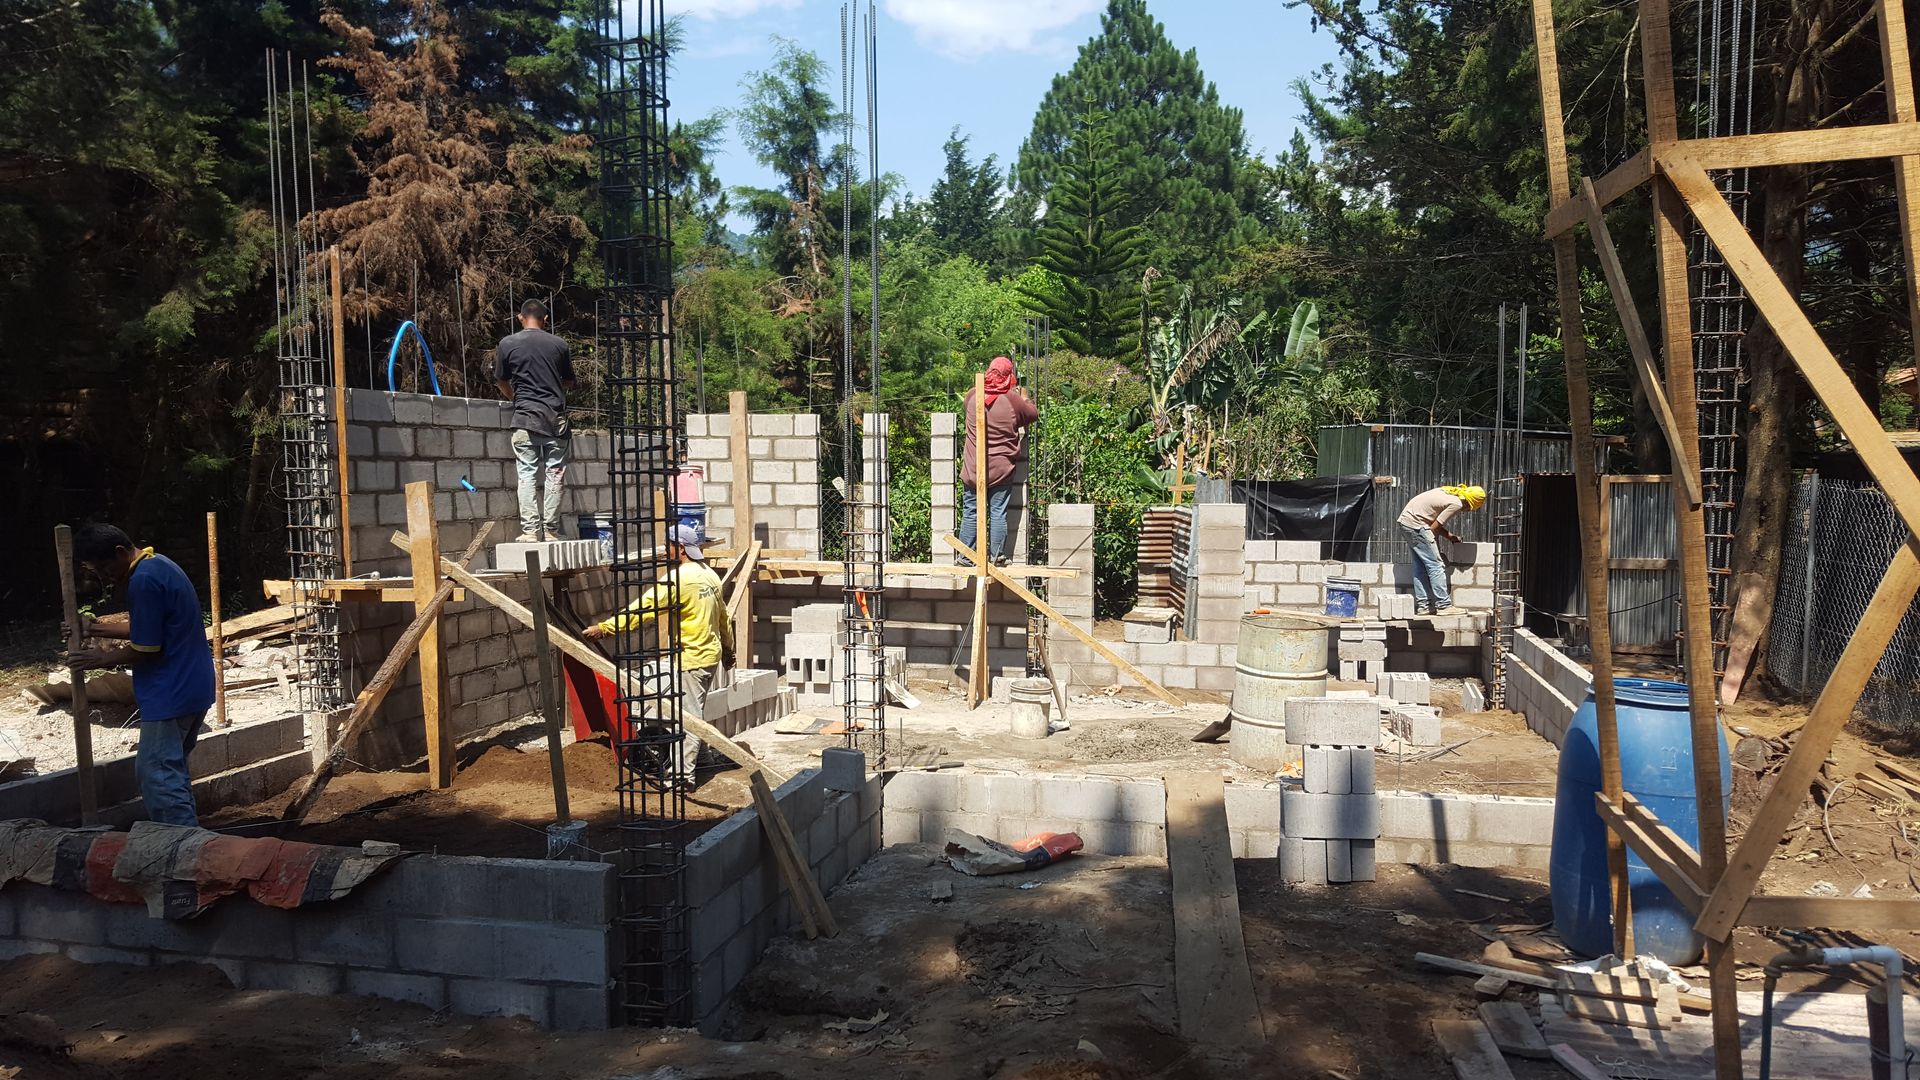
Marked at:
<point>1419,457</point>
<point>1644,611</point>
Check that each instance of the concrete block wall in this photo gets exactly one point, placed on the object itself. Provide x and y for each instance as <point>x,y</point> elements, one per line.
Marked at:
<point>481,937</point>
<point>783,460</point>
<point>396,439</point>
<point>1292,573</point>
<point>237,766</point>
<point>1545,685</point>
<point>931,617</point>
<point>736,898</point>
<point>1128,817</point>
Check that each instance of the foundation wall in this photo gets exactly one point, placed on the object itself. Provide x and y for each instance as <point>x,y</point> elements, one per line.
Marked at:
<point>237,766</point>
<point>783,459</point>
<point>735,895</point>
<point>931,617</point>
<point>1124,817</point>
<point>1545,685</point>
<point>481,937</point>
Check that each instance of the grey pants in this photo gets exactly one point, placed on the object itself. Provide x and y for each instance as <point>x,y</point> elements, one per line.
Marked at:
<point>543,473</point>
<point>695,684</point>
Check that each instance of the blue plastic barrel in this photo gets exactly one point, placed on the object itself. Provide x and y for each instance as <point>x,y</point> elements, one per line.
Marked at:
<point>1656,766</point>
<point>1343,597</point>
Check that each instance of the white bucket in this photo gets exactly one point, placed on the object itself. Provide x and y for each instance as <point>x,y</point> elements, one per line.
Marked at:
<point>1031,704</point>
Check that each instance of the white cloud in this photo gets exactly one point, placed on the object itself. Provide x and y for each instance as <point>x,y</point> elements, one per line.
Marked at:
<point>970,29</point>
<point>711,10</point>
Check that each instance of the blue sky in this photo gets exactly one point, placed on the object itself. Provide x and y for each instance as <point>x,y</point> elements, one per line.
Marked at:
<point>985,64</point>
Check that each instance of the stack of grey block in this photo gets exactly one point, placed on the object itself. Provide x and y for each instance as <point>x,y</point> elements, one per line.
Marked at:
<point>1390,605</point>
<point>554,555</point>
<point>1410,713</point>
<point>896,668</point>
<point>752,693</point>
<point>1362,649</point>
<point>1329,823</point>
<point>812,652</point>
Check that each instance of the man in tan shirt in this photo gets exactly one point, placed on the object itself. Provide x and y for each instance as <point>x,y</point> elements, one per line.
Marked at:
<point>1425,515</point>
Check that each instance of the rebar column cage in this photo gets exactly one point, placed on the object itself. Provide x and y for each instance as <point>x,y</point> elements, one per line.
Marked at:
<point>301,342</point>
<point>1035,352</point>
<point>635,341</point>
<point>865,522</point>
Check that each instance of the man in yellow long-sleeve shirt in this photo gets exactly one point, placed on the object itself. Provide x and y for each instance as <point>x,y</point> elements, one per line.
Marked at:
<point>706,633</point>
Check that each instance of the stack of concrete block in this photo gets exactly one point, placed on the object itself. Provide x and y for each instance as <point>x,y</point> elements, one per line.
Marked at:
<point>1393,605</point>
<point>810,667</point>
<point>1288,573</point>
<point>1217,555</point>
<point>1070,544</point>
<point>783,464</point>
<point>1148,626</point>
<point>754,697</point>
<point>1473,697</point>
<point>1414,725</point>
<point>1411,687</point>
<point>896,668</point>
<point>1362,649</point>
<point>944,453</point>
<point>554,555</point>
<point>1330,822</point>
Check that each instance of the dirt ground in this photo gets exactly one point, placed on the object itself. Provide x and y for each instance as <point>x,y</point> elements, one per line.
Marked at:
<point>500,804</point>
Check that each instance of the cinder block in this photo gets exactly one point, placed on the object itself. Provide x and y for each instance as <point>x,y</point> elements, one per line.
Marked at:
<point>321,937</point>
<point>1434,819</point>
<point>1303,862</point>
<point>1327,770</point>
<point>575,954</point>
<point>491,997</point>
<point>1473,698</point>
<point>581,1008</point>
<point>1329,817</point>
<point>448,946</point>
<point>298,978</point>
<point>998,796</point>
<point>1361,764</point>
<point>1332,722</point>
<point>1362,650</point>
<point>1519,821</point>
<point>1298,551</point>
<point>1361,856</point>
<point>1416,725</point>
<point>47,915</point>
<point>842,769</point>
<point>1339,861</point>
<point>98,954</point>
<point>1411,687</point>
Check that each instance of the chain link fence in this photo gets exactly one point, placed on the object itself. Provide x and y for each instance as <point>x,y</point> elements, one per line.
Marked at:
<point>1840,540</point>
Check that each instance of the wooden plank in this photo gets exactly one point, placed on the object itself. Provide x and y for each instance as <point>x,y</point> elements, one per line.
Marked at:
<point>1568,210</point>
<point>549,700</point>
<point>425,533</point>
<point>1618,987</point>
<point>1593,506</point>
<point>253,620</point>
<point>1636,332</point>
<point>1512,1029</point>
<point>1858,915</point>
<point>1678,878</point>
<point>1856,143</point>
<point>1671,843</point>
<point>82,717</point>
<point>1895,62</point>
<point>770,567</point>
<point>1642,564</point>
<point>1476,968</point>
<point>740,604</point>
<point>1670,235</point>
<point>1072,627</point>
<point>375,692</point>
<point>340,413</point>
<point>1491,986</point>
<point>1213,986</point>
<point>1571,1060</point>
<point>814,913</point>
<point>1471,1050</point>
<point>739,487</point>
<point>600,665</point>
<point>977,685</point>
<point>1608,1011</point>
<point>214,629</point>
<point>391,590</point>
<point>1894,768</point>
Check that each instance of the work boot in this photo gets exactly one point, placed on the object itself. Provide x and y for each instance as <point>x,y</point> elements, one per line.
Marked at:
<point>1422,611</point>
<point>526,538</point>
<point>1450,610</point>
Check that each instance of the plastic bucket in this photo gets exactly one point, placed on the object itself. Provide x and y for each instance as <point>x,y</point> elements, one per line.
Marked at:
<point>598,527</point>
<point>693,516</point>
<point>1278,657</point>
<point>1343,597</point>
<point>1031,702</point>
<point>689,485</point>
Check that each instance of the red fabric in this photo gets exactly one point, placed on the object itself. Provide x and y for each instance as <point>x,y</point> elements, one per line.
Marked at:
<point>285,882</point>
<point>101,855</point>
<point>999,380</point>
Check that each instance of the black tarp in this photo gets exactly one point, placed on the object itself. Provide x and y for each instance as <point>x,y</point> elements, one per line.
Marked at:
<point>1333,509</point>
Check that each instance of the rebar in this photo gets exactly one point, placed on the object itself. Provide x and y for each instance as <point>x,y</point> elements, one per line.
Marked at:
<point>634,334</point>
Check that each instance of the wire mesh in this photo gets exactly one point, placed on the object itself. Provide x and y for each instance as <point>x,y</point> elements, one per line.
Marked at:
<point>631,142</point>
<point>1840,539</point>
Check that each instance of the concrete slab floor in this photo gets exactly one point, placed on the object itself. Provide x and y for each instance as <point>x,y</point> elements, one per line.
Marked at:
<point>1128,737</point>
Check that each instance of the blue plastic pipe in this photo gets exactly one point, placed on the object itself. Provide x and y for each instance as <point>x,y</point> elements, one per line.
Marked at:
<point>393,354</point>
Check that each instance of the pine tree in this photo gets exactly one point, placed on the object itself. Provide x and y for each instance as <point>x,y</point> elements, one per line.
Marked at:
<point>964,209</point>
<point>1094,258</point>
<point>1177,148</point>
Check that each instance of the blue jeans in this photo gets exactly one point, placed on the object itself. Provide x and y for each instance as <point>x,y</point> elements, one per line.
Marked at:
<point>543,471</point>
<point>160,766</point>
<point>1429,570</point>
<point>998,498</point>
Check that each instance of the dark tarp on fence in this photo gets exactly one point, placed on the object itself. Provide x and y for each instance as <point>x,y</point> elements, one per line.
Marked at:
<point>1333,509</point>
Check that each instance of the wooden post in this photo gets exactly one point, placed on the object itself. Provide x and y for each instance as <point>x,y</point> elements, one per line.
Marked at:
<point>549,706</point>
<point>82,725</point>
<point>1896,62</point>
<point>977,684</point>
<point>1676,324</point>
<point>423,532</point>
<point>743,537</point>
<point>340,413</point>
<point>1592,496</point>
<point>1179,470</point>
<point>219,635</point>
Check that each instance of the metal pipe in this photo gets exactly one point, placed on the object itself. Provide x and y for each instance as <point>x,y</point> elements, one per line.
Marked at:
<point>1889,960</point>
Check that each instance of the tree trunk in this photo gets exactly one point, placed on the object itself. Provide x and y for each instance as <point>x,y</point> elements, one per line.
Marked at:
<point>1774,386</point>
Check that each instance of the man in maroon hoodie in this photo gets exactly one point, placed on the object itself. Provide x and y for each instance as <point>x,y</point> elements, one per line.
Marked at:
<point>1009,414</point>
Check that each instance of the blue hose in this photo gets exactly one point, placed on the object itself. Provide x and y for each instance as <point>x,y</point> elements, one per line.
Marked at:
<point>393,353</point>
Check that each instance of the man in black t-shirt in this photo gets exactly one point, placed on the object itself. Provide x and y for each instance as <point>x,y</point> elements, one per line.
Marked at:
<point>535,370</point>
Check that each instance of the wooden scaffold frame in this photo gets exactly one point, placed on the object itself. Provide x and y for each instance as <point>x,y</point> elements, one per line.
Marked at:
<point>1718,887</point>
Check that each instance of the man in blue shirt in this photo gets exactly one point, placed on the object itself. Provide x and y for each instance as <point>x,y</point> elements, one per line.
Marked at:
<point>167,650</point>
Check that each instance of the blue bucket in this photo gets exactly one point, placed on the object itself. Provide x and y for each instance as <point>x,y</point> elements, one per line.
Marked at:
<point>1343,597</point>
<point>693,516</point>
